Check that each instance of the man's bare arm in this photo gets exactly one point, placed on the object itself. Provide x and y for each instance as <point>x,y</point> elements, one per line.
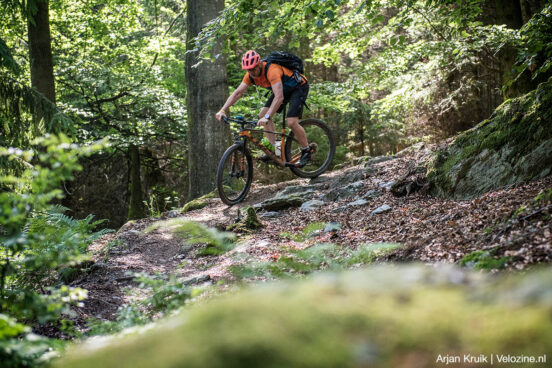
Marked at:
<point>235,96</point>
<point>278,91</point>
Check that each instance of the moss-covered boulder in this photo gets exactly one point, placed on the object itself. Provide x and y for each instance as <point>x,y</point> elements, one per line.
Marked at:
<point>384,316</point>
<point>513,146</point>
<point>198,203</point>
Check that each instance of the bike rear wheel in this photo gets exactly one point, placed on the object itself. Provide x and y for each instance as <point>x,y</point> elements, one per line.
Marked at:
<point>234,174</point>
<point>323,146</point>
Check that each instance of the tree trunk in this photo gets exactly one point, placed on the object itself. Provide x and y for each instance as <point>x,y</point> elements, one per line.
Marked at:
<point>502,12</point>
<point>530,7</point>
<point>136,204</point>
<point>207,91</point>
<point>361,136</point>
<point>40,51</point>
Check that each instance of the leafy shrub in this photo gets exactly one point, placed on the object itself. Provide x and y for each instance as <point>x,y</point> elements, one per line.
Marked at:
<point>36,239</point>
<point>536,46</point>
<point>20,348</point>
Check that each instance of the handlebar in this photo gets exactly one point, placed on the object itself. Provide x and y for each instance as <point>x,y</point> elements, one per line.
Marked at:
<point>239,120</point>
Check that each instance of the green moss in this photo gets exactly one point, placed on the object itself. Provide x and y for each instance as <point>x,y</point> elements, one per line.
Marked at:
<point>214,242</point>
<point>519,211</point>
<point>439,168</point>
<point>248,223</point>
<point>310,230</point>
<point>494,139</point>
<point>383,317</point>
<point>367,253</point>
<point>251,220</point>
<point>483,260</point>
<point>199,203</point>
<point>323,256</point>
<point>313,228</point>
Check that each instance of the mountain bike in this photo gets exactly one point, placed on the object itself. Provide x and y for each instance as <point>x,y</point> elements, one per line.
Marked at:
<point>235,170</point>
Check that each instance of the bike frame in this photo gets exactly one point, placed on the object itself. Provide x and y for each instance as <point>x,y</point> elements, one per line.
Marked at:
<point>244,134</point>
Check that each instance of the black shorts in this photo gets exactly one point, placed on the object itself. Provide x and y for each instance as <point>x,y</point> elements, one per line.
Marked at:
<point>296,99</point>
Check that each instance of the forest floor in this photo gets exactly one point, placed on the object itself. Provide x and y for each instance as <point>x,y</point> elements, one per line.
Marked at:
<point>505,229</point>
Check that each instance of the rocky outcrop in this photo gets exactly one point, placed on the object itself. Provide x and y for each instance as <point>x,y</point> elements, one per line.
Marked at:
<point>288,198</point>
<point>344,192</point>
<point>513,146</point>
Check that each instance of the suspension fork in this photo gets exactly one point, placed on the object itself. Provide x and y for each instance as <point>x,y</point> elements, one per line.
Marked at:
<point>241,162</point>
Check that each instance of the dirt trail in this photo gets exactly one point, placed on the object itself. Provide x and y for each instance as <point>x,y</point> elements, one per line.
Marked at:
<point>430,230</point>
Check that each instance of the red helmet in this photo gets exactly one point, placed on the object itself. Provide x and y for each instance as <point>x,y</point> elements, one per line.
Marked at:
<point>250,60</point>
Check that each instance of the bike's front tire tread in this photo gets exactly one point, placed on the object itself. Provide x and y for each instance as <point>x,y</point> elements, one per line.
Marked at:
<point>220,172</point>
<point>302,173</point>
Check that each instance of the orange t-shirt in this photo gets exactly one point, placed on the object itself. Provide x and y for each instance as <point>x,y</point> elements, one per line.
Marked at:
<point>274,75</point>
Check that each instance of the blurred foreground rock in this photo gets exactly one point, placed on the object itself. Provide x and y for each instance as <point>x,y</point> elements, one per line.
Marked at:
<point>383,316</point>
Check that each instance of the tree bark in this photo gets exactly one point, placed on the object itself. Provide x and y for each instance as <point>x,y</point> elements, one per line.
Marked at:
<point>40,51</point>
<point>136,204</point>
<point>206,92</point>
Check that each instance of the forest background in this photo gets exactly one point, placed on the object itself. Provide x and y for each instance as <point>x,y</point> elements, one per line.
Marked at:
<point>128,90</point>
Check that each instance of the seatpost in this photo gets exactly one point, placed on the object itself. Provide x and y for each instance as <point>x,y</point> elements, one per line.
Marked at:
<point>284,117</point>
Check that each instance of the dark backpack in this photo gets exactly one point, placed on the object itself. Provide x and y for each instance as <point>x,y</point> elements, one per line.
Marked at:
<point>285,59</point>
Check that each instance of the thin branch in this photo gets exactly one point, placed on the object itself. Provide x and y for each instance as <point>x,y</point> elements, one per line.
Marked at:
<point>429,23</point>
<point>111,99</point>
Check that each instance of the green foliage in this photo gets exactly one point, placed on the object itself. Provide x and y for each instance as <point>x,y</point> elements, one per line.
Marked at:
<point>119,74</point>
<point>19,347</point>
<point>6,58</point>
<point>161,200</point>
<point>36,239</point>
<point>535,50</point>
<point>112,83</point>
<point>250,222</point>
<point>168,293</point>
<point>20,103</point>
<point>394,60</point>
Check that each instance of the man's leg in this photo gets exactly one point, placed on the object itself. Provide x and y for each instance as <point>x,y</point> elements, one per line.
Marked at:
<point>268,126</point>
<point>298,130</point>
<point>294,114</point>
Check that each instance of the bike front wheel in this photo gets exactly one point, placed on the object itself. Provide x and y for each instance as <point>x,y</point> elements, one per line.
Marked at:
<point>234,174</point>
<point>322,144</point>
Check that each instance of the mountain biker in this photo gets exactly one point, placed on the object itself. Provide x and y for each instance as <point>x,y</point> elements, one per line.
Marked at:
<point>285,88</point>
